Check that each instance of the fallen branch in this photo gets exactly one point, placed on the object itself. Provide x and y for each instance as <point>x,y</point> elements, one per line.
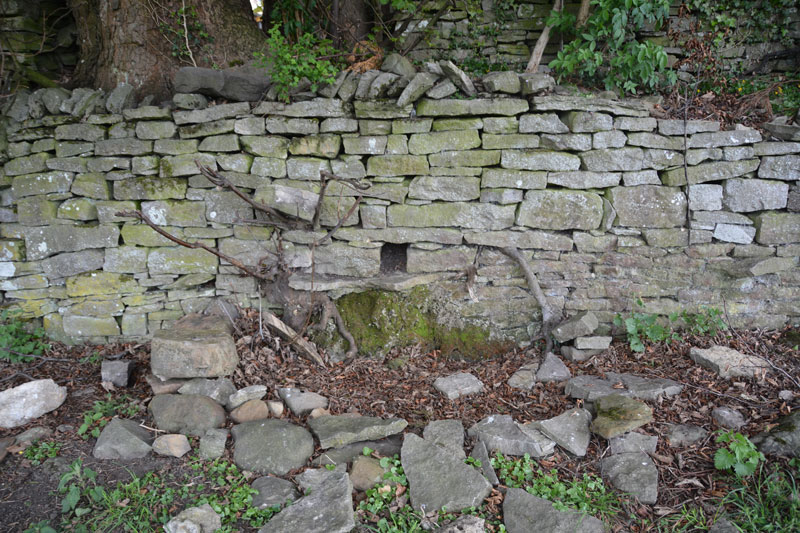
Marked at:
<point>290,335</point>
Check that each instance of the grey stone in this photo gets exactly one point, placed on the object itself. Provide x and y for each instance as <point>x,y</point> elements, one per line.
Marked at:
<point>439,479</point>
<point>212,444</point>
<point>641,177</point>
<point>689,127</point>
<point>723,525</point>
<point>524,378</point>
<point>253,392</point>
<point>584,180</point>
<point>524,512</point>
<point>685,435</point>
<point>535,83</point>
<point>734,233</point>
<point>729,363</point>
<point>552,369</point>
<point>116,372</point>
<point>592,343</point>
<point>771,228</point>
<point>366,472</point>
<point>539,160</point>
<point>190,101</point>
<point>442,89</point>
<point>650,389</point>
<point>160,386</point>
<point>542,123</point>
<point>649,206</point>
<point>785,167</point>
<point>311,478</point>
<point>301,403</point>
<point>203,350</point>
<point>727,417</point>
<point>439,141</point>
<point>338,431</point>
<point>387,447</point>
<point>499,433</point>
<point>201,519</point>
<point>23,403</point>
<point>217,389</point>
<point>327,509</point>
<point>588,122</point>
<point>570,430</point>
<point>580,325</point>
<point>571,353</point>
<point>122,439</point>
<point>633,442</point>
<point>176,445</point>
<point>724,138</point>
<point>747,195</point>
<point>271,446</point>
<point>705,197</point>
<point>613,160</point>
<point>190,414</point>
<point>480,453</point>
<point>70,264</point>
<point>783,439</point>
<point>634,473</point>
<point>464,524</point>
<point>447,188</point>
<point>317,107</point>
<point>458,77</point>
<point>273,491</point>
<point>449,434</point>
<point>617,414</point>
<point>456,385</point>
<point>715,171</point>
<point>502,82</point>
<point>244,84</point>
<point>381,85</point>
<point>477,106</point>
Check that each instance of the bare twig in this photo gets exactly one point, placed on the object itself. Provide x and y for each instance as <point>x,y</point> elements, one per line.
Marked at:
<point>186,33</point>
<point>340,223</point>
<point>541,42</point>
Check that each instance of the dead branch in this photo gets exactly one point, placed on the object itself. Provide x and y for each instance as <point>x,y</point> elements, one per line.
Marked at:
<point>288,334</point>
<point>541,42</point>
<point>340,223</point>
<point>194,245</point>
<point>550,317</point>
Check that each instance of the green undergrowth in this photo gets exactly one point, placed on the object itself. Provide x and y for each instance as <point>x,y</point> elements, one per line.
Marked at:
<point>380,320</point>
<point>101,413</point>
<point>146,503</point>
<point>17,341</point>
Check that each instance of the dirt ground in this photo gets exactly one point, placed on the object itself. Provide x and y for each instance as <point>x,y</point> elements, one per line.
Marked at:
<point>371,387</point>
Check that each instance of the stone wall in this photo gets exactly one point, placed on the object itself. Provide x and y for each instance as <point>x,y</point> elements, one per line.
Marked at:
<point>608,204</point>
<point>504,34</point>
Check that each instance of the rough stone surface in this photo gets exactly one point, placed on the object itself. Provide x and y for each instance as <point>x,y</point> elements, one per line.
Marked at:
<point>212,444</point>
<point>301,403</point>
<point>200,350</point>
<point>580,325</point>
<point>253,392</point>
<point>271,446</point>
<point>617,414</point>
<point>437,478</point>
<point>729,363</point>
<point>190,414</point>
<point>202,519</point>
<point>685,435</point>
<point>633,442</point>
<point>552,369</point>
<point>727,417</point>
<point>457,385</point>
<point>570,430</point>
<point>634,473</point>
<point>338,431</point>
<point>524,512</point>
<point>273,491</point>
<point>783,439</point>
<point>499,433</point>
<point>448,434</point>
<point>117,373</point>
<point>217,389</point>
<point>23,403</point>
<point>172,445</point>
<point>122,439</point>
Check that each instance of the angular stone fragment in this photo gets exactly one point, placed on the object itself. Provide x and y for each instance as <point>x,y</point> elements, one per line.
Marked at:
<point>117,373</point>
<point>457,385</point>
<point>524,512</point>
<point>23,403</point>
<point>633,442</point>
<point>716,171</point>
<point>190,414</point>
<point>552,369</point>
<point>122,439</point>
<point>634,473</point>
<point>580,325</point>
<point>727,417</point>
<point>502,82</point>
<point>172,445</point>
<point>338,431</point>
<point>542,123</point>
<point>749,194</point>
<point>458,77</point>
<point>584,180</point>
<point>783,439</point>
<point>500,433</point>
<point>301,403</point>
<point>685,435</point>
<point>271,446</point>
<point>613,160</point>
<point>729,363</point>
<point>218,389</point>
<point>201,519</point>
<point>570,430</point>
<point>649,206</point>
<point>202,349</point>
<point>272,491</point>
<point>212,444</point>
<point>617,414</point>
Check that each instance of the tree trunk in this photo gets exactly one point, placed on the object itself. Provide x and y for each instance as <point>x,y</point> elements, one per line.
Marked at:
<point>351,22</point>
<point>143,42</point>
<point>541,42</point>
<point>583,14</point>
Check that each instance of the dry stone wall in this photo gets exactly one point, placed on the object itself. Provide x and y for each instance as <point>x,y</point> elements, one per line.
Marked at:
<point>608,204</point>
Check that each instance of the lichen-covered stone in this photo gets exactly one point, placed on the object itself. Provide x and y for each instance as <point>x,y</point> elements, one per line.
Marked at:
<point>519,179</point>
<point>181,165</point>
<point>584,179</point>
<point>588,122</point>
<point>649,206</point>
<point>175,213</point>
<point>542,123</point>
<point>716,171</point>
<point>155,129</point>
<point>220,143</point>
<point>180,260</point>
<point>773,228</point>
<point>539,160</point>
<point>41,183</point>
<point>175,146</point>
<point>613,160</point>
<point>724,138</point>
<point>90,326</point>
<point>47,241</point>
<point>397,165</point>
<point>429,143</point>
<point>77,209</point>
<point>458,214</point>
<point>325,145</point>
<point>479,106</point>
<point>150,188</point>
<point>447,188</point>
<point>123,146</point>
<point>365,145</point>
<point>560,210</point>
<point>27,165</point>
<point>747,195</point>
<point>785,167</point>
<point>465,158</point>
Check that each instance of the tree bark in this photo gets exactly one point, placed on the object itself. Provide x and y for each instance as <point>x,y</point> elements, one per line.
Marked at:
<point>121,41</point>
<point>583,14</point>
<point>541,42</point>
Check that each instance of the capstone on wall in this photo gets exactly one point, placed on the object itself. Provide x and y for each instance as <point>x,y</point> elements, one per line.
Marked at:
<point>608,204</point>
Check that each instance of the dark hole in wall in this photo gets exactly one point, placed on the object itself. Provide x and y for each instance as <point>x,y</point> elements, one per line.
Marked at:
<point>393,258</point>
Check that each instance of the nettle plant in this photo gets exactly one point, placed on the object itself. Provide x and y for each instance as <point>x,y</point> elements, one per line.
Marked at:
<point>606,49</point>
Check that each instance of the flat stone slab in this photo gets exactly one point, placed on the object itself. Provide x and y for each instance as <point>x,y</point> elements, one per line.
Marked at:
<point>480,453</point>
<point>273,491</point>
<point>524,378</point>
<point>122,439</point>
<point>449,434</point>
<point>552,369</point>
<point>580,325</point>
<point>618,414</point>
<point>634,473</point>
<point>590,388</point>
<point>387,447</point>
<point>570,430</point>
<point>328,508</point>
<point>437,478</point>
<point>524,513</point>
<point>301,403</point>
<point>253,392</point>
<point>500,433</point>
<point>729,363</point>
<point>23,403</point>
<point>335,431</point>
<point>727,417</point>
<point>271,446</point>
<point>217,389</point>
<point>633,442</point>
<point>685,434</point>
<point>202,519</point>
<point>456,385</point>
<point>190,414</point>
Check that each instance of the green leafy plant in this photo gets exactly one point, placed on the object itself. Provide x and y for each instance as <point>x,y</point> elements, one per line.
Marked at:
<point>707,321</point>
<point>740,455</point>
<point>606,48</point>
<point>16,342</point>
<point>381,508</point>
<point>289,63</point>
<point>40,527</point>
<point>184,31</point>
<point>644,326</point>
<point>95,419</point>
<point>40,451</point>
<point>471,461</point>
<point>747,20</point>
<point>587,494</point>
<point>79,489</point>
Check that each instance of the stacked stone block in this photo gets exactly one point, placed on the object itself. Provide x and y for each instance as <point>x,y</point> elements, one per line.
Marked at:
<point>607,202</point>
